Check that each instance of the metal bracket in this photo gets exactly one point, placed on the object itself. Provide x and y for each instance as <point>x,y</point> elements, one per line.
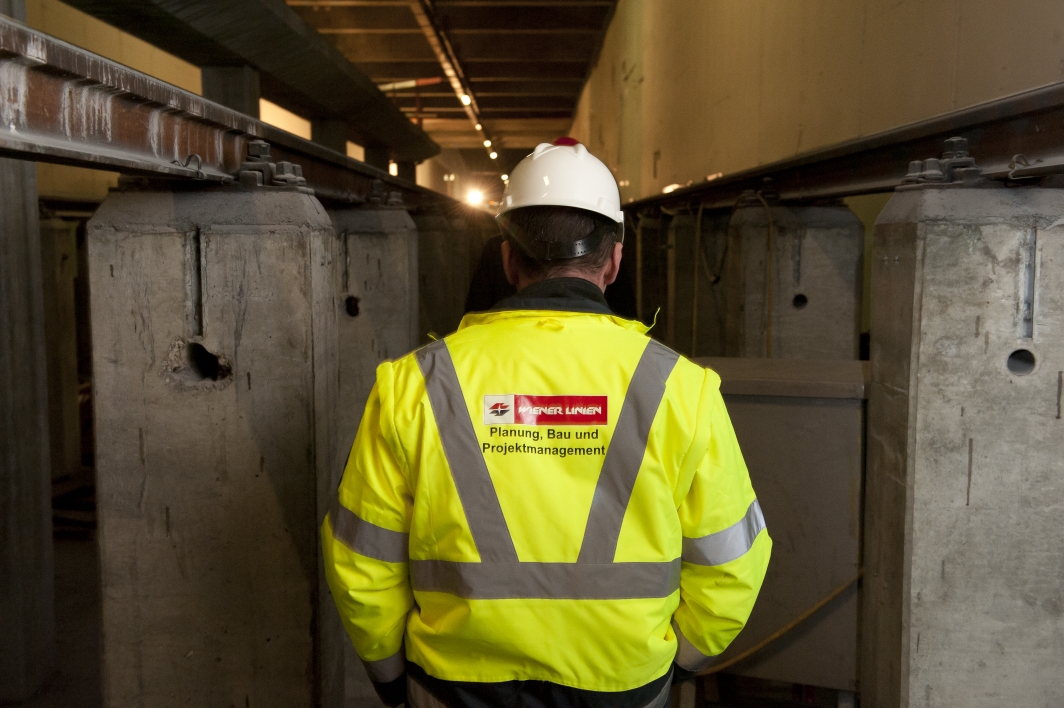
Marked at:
<point>258,171</point>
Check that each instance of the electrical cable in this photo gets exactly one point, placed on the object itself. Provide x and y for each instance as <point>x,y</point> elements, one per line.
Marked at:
<point>694,297</point>
<point>770,252</point>
<point>784,629</point>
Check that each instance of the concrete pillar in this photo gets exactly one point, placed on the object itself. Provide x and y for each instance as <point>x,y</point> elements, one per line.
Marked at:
<point>378,157</point>
<point>407,170</point>
<point>330,132</point>
<point>448,250</point>
<point>27,624</point>
<point>235,87</point>
<point>59,268</point>
<point>964,545</point>
<point>697,324</point>
<point>214,319</point>
<point>815,287</point>
<point>27,607</point>
<point>378,320</point>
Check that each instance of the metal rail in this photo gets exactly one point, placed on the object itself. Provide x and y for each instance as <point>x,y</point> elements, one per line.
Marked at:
<point>1029,123</point>
<point>60,103</point>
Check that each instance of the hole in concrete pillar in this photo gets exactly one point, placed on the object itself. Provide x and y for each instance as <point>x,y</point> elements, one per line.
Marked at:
<point>351,305</point>
<point>204,364</point>
<point>1021,362</point>
<point>800,301</point>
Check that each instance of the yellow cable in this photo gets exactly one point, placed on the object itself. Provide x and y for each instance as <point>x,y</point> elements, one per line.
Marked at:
<point>784,629</point>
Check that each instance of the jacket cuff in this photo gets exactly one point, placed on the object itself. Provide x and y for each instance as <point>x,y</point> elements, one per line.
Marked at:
<point>392,693</point>
<point>386,670</point>
<point>688,657</point>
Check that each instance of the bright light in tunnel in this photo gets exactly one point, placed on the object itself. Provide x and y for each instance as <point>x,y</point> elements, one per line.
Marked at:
<point>475,197</point>
<point>505,178</point>
<point>477,126</point>
<point>487,143</point>
<point>493,154</point>
<point>466,100</point>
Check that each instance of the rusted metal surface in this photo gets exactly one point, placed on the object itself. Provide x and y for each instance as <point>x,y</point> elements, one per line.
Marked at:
<point>60,103</point>
<point>1028,125</point>
<point>298,68</point>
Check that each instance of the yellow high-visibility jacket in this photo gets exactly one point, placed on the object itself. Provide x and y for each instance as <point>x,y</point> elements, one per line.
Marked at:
<point>544,496</point>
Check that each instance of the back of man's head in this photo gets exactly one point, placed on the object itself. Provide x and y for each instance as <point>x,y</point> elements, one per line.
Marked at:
<point>544,239</point>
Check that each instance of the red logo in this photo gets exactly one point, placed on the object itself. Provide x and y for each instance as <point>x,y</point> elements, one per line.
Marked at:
<point>560,410</point>
<point>499,409</point>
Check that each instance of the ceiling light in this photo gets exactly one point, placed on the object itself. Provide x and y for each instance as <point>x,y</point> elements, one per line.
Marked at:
<point>506,178</point>
<point>466,100</point>
<point>478,126</point>
<point>487,143</point>
<point>475,197</point>
<point>493,154</point>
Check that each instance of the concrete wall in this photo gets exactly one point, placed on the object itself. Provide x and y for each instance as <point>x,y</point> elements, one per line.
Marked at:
<point>688,88</point>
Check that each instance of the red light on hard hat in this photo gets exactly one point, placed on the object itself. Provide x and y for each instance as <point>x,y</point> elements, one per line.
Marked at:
<point>566,141</point>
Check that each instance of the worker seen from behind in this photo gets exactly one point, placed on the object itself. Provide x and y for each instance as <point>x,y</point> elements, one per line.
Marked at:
<point>546,508</point>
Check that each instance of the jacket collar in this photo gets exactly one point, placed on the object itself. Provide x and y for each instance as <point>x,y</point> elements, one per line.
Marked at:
<point>558,295</point>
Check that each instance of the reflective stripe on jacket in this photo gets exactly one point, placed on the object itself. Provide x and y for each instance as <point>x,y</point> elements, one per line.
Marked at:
<point>544,496</point>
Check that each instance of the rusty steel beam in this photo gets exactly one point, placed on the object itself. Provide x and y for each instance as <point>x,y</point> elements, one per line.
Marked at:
<point>1027,125</point>
<point>62,104</point>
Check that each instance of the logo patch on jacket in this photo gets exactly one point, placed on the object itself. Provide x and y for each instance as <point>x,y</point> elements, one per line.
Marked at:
<point>519,409</point>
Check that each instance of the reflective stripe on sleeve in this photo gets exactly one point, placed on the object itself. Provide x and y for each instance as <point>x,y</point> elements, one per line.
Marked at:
<point>727,545</point>
<point>385,670</point>
<point>687,656</point>
<point>554,581</point>
<point>462,449</point>
<point>625,454</point>
<point>365,538</point>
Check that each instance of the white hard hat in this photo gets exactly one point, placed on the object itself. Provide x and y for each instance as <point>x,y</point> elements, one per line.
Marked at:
<point>563,174</point>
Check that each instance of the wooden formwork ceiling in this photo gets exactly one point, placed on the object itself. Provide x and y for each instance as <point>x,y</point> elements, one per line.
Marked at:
<point>522,62</point>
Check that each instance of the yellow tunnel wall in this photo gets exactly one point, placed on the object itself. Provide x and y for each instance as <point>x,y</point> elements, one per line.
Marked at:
<point>684,89</point>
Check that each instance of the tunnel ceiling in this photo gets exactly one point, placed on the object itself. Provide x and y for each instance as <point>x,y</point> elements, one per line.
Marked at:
<point>525,61</point>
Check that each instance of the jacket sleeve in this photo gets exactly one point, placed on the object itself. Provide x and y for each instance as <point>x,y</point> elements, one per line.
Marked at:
<point>365,546</point>
<point>726,547</point>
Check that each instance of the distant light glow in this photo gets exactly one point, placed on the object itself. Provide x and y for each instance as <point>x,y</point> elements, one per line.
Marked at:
<point>478,126</point>
<point>466,100</point>
<point>506,178</point>
<point>493,154</point>
<point>487,143</point>
<point>393,169</point>
<point>670,188</point>
<point>475,197</point>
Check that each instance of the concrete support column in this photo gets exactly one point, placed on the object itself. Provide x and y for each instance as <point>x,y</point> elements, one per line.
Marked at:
<point>378,320</point>
<point>407,170</point>
<point>377,157</point>
<point>59,268</point>
<point>27,624</point>
<point>235,87</point>
<point>801,297</point>
<point>214,318</point>
<point>330,132</point>
<point>963,595</point>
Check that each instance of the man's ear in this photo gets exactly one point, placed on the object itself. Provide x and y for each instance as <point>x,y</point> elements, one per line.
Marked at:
<point>613,268</point>
<point>509,263</point>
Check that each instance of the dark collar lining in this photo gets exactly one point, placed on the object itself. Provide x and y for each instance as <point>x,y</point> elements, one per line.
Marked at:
<point>559,294</point>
